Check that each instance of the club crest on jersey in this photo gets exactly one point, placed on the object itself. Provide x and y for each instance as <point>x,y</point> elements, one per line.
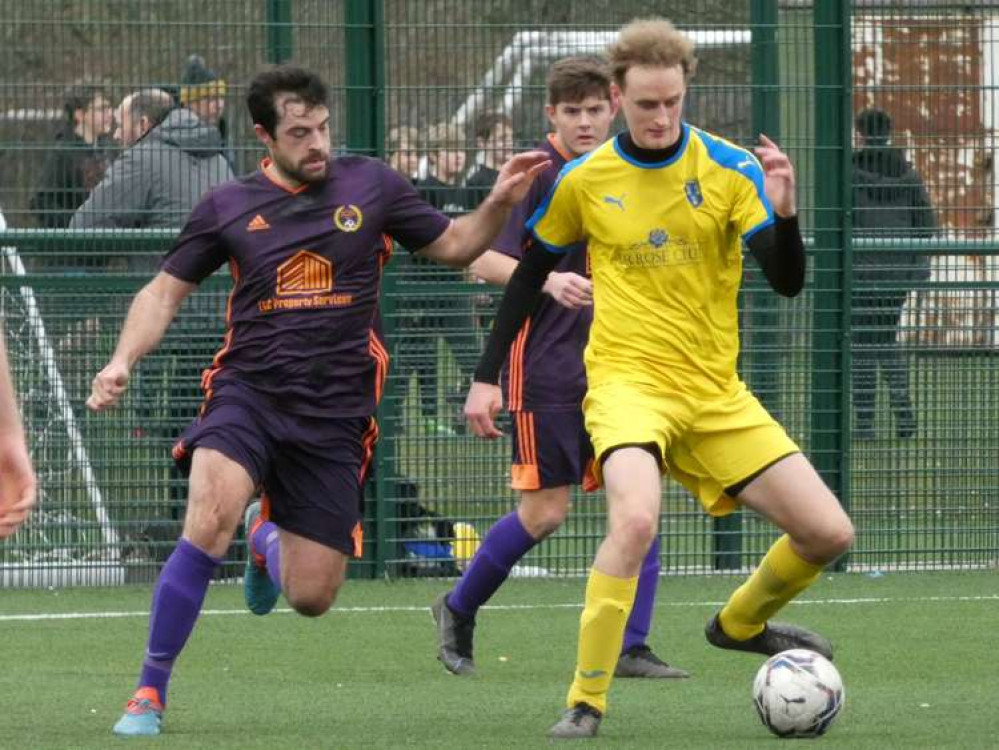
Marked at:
<point>692,188</point>
<point>348,218</point>
<point>658,238</point>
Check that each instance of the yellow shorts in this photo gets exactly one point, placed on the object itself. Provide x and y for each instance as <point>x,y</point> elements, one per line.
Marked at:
<point>707,444</point>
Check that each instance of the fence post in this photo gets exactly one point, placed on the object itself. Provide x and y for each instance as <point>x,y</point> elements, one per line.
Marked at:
<point>280,35</point>
<point>831,305</point>
<point>365,64</point>
<point>365,134</point>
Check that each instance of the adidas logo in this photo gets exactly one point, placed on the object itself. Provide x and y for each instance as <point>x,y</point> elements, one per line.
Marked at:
<point>257,224</point>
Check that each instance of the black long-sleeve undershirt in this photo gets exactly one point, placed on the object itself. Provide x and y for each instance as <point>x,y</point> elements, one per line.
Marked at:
<point>780,252</point>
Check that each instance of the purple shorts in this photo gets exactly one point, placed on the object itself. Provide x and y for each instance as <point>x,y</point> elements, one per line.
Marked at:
<point>309,470</point>
<point>550,449</point>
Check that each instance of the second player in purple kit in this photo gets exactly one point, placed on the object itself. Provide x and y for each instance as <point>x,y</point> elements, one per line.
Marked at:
<point>545,382</point>
<point>290,396</point>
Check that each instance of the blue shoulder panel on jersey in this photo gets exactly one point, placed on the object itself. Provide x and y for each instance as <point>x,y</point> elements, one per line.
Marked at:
<point>543,207</point>
<point>739,160</point>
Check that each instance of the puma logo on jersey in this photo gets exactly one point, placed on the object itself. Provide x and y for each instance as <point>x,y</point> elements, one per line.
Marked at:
<point>745,164</point>
<point>619,202</point>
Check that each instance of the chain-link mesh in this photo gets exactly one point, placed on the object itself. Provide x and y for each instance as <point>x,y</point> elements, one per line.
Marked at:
<point>883,370</point>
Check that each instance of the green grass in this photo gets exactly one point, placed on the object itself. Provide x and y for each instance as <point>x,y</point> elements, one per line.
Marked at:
<point>916,653</point>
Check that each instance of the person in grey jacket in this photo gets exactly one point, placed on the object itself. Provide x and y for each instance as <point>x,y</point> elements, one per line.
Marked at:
<point>890,201</point>
<point>171,159</point>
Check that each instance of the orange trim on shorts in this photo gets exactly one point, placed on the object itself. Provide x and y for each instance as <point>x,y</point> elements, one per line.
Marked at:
<point>265,507</point>
<point>525,477</point>
<point>526,474</point>
<point>179,451</point>
<point>357,534</point>
<point>591,480</point>
<point>515,396</point>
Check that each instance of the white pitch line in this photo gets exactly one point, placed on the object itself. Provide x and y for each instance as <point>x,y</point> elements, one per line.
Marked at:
<point>49,616</point>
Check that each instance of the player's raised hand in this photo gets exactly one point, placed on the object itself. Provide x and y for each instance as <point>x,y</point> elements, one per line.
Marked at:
<point>108,386</point>
<point>570,289</point>
<point>17,483</point>
<point>481,407</point>
<point>778,177</point>
<point>516,176</point>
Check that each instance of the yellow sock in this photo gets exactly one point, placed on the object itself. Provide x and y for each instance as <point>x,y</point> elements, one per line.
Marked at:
<point>601,633</point>
<point>782,575</point>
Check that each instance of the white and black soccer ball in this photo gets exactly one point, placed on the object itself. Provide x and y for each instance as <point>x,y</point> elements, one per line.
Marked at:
<point>798,693</point>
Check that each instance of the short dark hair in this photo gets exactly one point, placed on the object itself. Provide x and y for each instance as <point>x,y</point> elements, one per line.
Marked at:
<point>487,122</point>
<point>874,125</point>
<point>303,85</point>
<point>79,96</point>
<point>572,79</point>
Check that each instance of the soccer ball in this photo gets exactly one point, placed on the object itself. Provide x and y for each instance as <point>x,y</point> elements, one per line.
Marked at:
<point>798,693</point>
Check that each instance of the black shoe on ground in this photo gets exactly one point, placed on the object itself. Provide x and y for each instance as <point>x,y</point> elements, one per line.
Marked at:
<point>454,638</point>
<point>640,661</point>
<point>579,722</point>
<point>776,637</point>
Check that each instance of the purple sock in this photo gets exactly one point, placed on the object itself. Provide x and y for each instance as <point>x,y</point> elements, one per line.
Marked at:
<point>268,539</point>
<point>640,621</point>
<point>505,543</point>
<point>177,598</point>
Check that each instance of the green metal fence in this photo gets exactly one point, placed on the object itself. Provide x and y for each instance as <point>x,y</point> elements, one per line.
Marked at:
<point>925,497</point>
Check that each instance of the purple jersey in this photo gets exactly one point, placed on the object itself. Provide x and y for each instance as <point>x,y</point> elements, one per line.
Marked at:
<point>545,370</point>
<point>306,266</point>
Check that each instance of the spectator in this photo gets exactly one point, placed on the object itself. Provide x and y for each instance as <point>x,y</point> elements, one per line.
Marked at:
<point>493,145</point>
<point>171,159</point>
<point>77,162</point>
<point>203,91</point>
<point>403,154</point>
<point>438,312</point>
<point>890,201</point>
<point>445,163</point>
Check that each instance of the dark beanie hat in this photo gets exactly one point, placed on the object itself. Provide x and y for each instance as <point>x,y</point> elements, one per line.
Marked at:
<point>874,124</point>
<point>200,82</point>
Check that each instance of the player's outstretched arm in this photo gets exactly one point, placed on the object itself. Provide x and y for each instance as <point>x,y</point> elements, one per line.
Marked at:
<point>151,313</point>
<point>17,476</point>
<point>467,237</point>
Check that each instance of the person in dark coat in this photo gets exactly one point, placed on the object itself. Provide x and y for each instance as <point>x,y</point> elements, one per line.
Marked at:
<point>77,161</point>
<point>890,201</point>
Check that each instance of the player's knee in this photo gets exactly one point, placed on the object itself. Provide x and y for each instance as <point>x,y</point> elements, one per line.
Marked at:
<point>209,524</point>
<point>636,529</point>
<point>543,519</point>
<point>830,541</point>
<point>839,537</point>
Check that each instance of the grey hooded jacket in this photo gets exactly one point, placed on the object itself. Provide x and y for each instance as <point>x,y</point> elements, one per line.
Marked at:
<point>157,181</point>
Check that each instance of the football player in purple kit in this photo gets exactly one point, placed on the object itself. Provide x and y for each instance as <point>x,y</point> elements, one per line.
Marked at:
<point>545,381</point>
<point>289,397</point>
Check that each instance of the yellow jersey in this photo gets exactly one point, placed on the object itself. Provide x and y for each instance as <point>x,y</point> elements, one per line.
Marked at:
<point>666,244</point>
